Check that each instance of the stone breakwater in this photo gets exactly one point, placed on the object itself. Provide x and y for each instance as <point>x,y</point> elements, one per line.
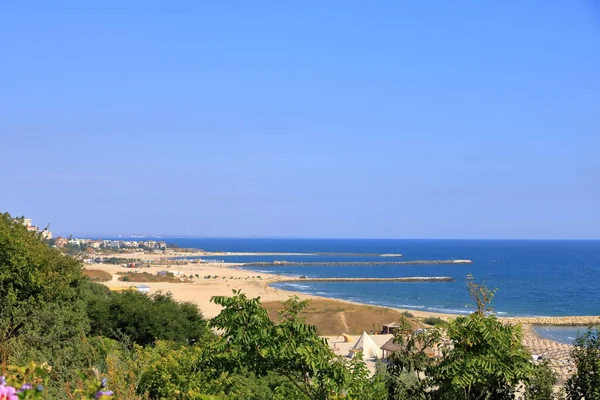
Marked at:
<point>349,263</point>
<point>558,321</point>
<point>329,254</point>
<point>406,279</point>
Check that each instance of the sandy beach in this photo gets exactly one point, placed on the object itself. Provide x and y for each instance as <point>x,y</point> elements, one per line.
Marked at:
<point>229,277</point>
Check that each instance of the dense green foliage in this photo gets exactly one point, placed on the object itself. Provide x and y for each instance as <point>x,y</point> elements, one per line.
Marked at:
<point>586,382</point>
<point>486,360</point>
<point>42,301</point>
<point>541,383</point>
<point>477,358</point>
<point>291,348</point>
<point>143,318</point>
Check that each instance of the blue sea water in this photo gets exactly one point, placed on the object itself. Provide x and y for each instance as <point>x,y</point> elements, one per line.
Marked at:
<point>562,334</point>
<point>533,277</point>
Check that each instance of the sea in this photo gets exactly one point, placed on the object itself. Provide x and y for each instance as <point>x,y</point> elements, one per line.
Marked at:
<point>532,277</point>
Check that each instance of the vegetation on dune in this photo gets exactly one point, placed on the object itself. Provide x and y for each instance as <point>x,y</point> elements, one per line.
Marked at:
<point>96,275</point>
<point>434,321</point>
<point>74,339</point>
<point>148,277</point>
<point>333,317</point>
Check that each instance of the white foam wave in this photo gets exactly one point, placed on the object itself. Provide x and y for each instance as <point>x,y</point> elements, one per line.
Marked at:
<point>294,285</point>
<point>449,310</point>
<point>411,306</point>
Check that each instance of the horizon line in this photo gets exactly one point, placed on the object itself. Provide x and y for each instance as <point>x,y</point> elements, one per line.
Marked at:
<point>113,236</point>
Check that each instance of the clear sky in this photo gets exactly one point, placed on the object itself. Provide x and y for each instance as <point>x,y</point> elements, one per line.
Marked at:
<point>370,118</point>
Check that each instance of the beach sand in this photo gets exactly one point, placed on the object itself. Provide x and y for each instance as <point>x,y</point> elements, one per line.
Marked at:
<point>230,277</point>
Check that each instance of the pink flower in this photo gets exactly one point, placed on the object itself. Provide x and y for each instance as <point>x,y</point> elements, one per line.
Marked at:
<point>8,393</point>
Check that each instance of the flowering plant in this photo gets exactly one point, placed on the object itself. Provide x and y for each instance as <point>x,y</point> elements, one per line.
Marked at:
<point>28,383</point>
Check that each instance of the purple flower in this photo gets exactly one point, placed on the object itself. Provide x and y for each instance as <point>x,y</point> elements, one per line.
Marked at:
<point>8,393</point>
<point>99,394</point>
<point>103,382</point>
<point>25,387</point>
<point>2,380</point>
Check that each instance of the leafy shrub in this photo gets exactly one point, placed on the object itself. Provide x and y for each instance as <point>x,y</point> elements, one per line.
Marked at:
<point>586,353</point>
<point>541,383</point>
<point>96,275</point>
<point>433,321</point>
<point>145,318</point>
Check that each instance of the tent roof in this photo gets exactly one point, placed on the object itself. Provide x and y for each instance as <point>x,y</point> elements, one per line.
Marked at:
<point>367,346</point>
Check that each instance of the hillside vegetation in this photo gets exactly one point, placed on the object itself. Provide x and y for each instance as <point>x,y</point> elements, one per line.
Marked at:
<point>65,337</point>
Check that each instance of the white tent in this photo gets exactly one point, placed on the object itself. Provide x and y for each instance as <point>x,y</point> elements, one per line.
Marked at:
<point>367,346</point>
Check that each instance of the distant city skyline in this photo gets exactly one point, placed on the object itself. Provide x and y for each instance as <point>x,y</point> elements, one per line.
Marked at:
<point>341,119</point>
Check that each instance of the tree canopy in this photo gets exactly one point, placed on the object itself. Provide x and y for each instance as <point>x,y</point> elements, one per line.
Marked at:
<point>144,318</point>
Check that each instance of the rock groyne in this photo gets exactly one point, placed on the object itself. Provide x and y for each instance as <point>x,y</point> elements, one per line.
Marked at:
<point>558,321</point>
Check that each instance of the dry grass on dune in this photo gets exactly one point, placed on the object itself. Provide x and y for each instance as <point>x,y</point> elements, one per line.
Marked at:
<point>97,275</point>
<point>333,317</point>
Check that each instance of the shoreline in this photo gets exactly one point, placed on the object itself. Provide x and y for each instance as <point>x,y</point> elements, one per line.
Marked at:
<point>230,276</point>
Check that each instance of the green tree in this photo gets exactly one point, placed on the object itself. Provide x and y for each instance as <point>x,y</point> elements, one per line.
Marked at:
<point>409,364</point>
<point>474,357</point>
<point>291,349</point>
<point>144,318</point>
<point>42,298</point>
<point>585,383</point>
<point>541,383</point>
<point>484,359</point>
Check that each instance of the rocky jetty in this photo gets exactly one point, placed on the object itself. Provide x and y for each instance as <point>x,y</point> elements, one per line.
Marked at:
<point>558,321</point>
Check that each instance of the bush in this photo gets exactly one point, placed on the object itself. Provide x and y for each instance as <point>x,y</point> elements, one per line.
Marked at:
<point>408,314</point>
<point>541,383</point>
<point>145,318</point>
<point>586,353</point>
<point>433,321</point>
<point>96,275</point>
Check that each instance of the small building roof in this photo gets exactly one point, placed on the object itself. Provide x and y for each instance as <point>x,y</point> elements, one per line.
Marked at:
<point>390,345</point>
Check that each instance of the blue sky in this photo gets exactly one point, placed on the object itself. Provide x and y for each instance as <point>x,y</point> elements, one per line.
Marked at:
<point>400,119</point>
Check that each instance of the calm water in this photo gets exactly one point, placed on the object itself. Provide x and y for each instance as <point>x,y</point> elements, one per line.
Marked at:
<point>532,277</point>
<point>562,334</point>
